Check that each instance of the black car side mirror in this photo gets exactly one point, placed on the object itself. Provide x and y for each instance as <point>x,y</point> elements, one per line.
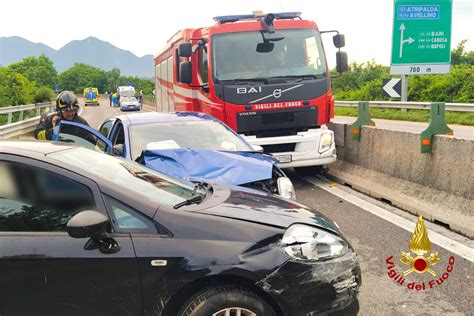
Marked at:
<point>93,225</point>
<point>87,224</point>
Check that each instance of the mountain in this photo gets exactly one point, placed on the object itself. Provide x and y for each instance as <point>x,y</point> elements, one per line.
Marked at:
<point>91,51</point>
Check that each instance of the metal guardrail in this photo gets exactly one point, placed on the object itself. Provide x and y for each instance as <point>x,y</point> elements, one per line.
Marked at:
<point>22,126</point>
<point>458,107</point>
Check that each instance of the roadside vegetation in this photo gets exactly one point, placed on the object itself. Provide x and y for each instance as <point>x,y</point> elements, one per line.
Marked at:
<point>34,79</point>
<point>363,82</point>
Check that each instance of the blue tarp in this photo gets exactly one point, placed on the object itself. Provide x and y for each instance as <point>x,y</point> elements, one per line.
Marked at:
<point>233,168</point>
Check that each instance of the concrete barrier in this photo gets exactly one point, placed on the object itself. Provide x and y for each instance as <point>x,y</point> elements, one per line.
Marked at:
<point>388,165</point>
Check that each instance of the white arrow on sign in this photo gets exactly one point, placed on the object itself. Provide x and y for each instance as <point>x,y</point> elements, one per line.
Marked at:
<point>388,87</point>
<point>402,41</point>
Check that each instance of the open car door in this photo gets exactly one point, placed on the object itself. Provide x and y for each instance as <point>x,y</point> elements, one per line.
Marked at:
<point>81,135</point>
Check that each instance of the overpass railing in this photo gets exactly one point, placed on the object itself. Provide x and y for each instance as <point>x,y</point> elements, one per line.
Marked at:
<point>21,119</point>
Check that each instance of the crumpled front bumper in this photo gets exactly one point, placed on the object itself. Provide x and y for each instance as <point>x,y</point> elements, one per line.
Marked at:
<point>302,288</point>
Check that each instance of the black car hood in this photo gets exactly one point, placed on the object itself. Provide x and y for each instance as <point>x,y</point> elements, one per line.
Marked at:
<point>259,207</point>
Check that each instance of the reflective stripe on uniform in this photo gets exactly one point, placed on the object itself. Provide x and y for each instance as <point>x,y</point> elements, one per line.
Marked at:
<point>42,135</point>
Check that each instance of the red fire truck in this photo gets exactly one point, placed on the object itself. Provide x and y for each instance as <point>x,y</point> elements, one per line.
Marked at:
<point>264,76</point>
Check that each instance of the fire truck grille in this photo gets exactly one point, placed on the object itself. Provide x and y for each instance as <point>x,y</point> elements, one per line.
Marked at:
<point>279,148</point>
<point>277,122</point>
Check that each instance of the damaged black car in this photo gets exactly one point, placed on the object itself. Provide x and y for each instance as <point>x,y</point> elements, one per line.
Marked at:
<point>90,234</point>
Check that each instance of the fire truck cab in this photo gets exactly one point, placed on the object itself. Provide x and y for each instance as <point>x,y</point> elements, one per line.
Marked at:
<point>264,76</point>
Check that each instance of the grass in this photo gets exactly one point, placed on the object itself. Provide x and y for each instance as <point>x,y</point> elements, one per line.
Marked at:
<point>460,118</point>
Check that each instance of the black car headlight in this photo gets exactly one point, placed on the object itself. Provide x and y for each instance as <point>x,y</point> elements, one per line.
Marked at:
<point>303,242</point>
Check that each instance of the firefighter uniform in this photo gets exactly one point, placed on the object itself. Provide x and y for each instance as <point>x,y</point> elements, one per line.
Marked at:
<point>66,109</point>
<point>44,131</point>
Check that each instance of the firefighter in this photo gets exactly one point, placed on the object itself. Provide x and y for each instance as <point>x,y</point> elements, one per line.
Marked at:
<point>66,109</point>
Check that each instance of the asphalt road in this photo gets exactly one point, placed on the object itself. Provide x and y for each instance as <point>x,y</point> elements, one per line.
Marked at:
<point>460,131</point>
<point>95,115</point>
<point>375,239</point>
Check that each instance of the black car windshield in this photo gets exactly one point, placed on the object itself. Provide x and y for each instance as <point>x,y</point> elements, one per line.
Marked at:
<point>300,53</point>
<point>208,135</point>
<point>144,182</point>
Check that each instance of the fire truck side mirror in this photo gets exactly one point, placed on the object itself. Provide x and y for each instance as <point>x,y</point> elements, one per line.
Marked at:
<point>265,47</point>
<point>186,72</point>
<point>339,40</point>
<point>342,64</point>
<point>185,50</point>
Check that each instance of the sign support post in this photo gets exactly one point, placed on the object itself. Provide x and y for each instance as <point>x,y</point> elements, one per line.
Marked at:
<point>404,97</point>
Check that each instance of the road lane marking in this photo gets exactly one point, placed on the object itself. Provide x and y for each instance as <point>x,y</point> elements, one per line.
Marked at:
<point>436,238</point>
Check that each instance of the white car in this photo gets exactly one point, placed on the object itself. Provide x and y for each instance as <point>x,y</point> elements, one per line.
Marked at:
<point>129,103</point>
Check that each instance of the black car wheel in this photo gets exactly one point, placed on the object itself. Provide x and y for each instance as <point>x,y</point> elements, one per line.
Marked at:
<point>226,301</point>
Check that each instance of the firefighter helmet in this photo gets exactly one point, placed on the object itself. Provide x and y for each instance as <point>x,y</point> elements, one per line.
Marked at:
<point>66,101</point>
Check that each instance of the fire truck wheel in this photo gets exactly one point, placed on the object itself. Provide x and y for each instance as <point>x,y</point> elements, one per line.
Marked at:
<point>226,300</point>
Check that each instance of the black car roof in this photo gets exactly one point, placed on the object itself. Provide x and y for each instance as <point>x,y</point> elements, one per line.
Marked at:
<point>39,150</point>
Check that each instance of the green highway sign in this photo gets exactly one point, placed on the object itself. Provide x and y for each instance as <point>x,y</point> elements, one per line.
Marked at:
<point>421,37</point>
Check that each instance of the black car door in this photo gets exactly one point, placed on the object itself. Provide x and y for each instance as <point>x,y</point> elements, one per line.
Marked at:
<point>42,269</point>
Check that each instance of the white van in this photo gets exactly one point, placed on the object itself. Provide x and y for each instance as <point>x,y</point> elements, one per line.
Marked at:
<point>126,91</point>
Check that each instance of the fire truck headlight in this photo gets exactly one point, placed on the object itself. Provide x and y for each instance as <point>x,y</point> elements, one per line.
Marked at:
<point>325,142</point>
<point>285,188</point>
<point>304,242</point>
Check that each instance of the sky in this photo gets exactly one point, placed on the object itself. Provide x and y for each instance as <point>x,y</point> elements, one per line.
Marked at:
<point>143,26</point>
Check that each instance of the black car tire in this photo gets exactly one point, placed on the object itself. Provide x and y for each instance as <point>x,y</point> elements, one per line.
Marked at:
<point>210,301</point>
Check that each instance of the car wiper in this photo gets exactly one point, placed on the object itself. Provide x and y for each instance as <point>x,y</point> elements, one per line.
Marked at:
<point>192,200</point>
<point>196,197</point>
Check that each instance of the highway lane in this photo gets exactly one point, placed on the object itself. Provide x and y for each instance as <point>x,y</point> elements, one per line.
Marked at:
<point>95,115</point>
<point>460,131</point>
<point>375,239</point>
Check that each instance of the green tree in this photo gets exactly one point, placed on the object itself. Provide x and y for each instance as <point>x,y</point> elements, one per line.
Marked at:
<point>15,89</point>
<point>140,84</point>
<point>81,76</point>
<point>113,77</point>
<point>364,81</point>
<point>37,69</point>
<point>43,94</point>
<point>459,56</point>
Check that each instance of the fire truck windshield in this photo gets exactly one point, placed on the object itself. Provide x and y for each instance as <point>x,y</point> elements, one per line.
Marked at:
<point>299,54</point>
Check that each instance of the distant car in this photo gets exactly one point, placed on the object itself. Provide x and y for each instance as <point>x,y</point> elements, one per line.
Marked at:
<point>85,233</point>
<point>129,103</point>
<point>189,145</point>
<point>91,96</point>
